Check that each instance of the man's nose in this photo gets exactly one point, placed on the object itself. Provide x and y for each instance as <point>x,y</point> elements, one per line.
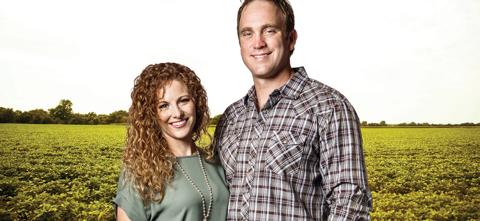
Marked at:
<point>259,41</point>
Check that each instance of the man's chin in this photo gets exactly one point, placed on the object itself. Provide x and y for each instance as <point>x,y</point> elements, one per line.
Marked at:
<point>261,72</point>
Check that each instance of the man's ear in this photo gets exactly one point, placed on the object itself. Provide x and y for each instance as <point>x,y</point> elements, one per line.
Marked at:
<point>293,39</point>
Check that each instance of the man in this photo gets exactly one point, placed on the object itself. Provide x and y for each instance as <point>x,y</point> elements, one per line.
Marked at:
<point>291,148</point>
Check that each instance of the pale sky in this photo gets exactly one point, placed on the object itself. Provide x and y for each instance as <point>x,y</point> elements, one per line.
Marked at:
<point>398,61</point>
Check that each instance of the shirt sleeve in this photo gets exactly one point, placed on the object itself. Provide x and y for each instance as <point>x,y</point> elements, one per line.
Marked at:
<point>221,132</point>
<point>128,199</point>
<point>220,129</point>
<point>343,167</point>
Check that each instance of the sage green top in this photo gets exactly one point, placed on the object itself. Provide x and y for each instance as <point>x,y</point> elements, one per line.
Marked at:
<point>181,201</point>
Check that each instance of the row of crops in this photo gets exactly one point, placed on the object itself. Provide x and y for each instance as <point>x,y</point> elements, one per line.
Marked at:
<point>424,173</point>
<point>58,172</point>
<point>69,172</point>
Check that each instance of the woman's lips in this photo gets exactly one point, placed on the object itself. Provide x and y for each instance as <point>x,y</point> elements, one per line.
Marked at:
<point>179,124</point>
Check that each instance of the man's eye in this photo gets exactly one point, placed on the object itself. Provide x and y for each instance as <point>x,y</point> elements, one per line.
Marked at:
<point>246,34</point>
<point>271,31</point>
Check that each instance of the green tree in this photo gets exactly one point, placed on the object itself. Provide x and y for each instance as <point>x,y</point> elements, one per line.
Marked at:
<point>91,118</point>
<point>39,116</point>
<point>77,118</point>
<point>119,116</point>
<point>7,115</point>
<point>23,117</point>
<point>102,119</point>
<point>214,120</point>
<point>63,112</point>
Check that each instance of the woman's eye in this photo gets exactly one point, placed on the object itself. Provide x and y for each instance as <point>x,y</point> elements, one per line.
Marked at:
<point>162,106</point>
<point>185,100</point>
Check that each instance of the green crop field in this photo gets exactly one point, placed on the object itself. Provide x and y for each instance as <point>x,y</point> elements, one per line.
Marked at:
<point>69,172</point>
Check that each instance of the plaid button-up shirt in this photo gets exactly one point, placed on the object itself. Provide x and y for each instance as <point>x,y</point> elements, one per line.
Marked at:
<point>299,158</point>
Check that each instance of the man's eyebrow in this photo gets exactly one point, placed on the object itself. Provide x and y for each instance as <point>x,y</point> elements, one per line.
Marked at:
<point>245,29</point>
<point>263,27</point>
<point>269,26</point>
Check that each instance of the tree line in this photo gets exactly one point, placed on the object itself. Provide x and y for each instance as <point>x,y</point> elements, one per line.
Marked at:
<point>61,114</point>
<point>415,124</point>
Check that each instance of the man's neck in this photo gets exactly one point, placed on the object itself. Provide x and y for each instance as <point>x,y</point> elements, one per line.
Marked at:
<point>265,86</point>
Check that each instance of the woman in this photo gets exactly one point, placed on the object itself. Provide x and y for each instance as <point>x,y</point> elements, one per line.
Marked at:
<point>165,176</point>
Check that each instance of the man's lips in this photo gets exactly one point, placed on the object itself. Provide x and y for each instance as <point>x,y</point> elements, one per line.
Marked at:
<point>179,124</point>
<point>260,55</point>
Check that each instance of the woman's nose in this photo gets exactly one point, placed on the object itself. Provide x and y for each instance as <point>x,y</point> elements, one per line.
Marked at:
<point>177,111</point>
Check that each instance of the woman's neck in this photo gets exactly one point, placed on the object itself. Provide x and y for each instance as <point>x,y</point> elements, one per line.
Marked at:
<point>181,149</point>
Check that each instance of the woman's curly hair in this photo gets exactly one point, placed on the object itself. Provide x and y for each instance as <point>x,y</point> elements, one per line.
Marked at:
<point>147,162</point>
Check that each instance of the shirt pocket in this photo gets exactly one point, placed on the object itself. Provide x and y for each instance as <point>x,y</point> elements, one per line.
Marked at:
<point>284,153</point>
<point>228,155</point>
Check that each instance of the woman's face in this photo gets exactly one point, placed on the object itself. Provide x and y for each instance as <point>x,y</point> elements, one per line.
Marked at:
<point>176,113</point>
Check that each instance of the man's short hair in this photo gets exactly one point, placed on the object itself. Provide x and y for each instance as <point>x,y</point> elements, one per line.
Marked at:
<point>283,5</point>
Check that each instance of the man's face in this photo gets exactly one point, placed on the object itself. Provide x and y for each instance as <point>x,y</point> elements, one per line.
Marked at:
<point>264,44</point>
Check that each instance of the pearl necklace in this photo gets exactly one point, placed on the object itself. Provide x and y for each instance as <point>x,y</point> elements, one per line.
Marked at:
<point>206,212</point>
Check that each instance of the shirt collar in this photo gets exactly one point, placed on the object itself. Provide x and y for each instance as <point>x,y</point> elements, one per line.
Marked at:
<point>292,89</point>
<point>251,97</point>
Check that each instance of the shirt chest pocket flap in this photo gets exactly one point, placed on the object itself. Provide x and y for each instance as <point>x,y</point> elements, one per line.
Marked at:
<point>284,153</point>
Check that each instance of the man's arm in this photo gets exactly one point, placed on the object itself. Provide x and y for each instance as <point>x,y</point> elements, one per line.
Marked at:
<point>220,130</point>
<point>221,133</point>
<point>343,167</point>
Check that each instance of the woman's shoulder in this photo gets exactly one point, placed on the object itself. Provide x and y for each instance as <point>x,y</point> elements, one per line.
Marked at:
<point>128,199</point>
<point>212,159</point>
<point>125,185</point>
<point>215,164</point>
